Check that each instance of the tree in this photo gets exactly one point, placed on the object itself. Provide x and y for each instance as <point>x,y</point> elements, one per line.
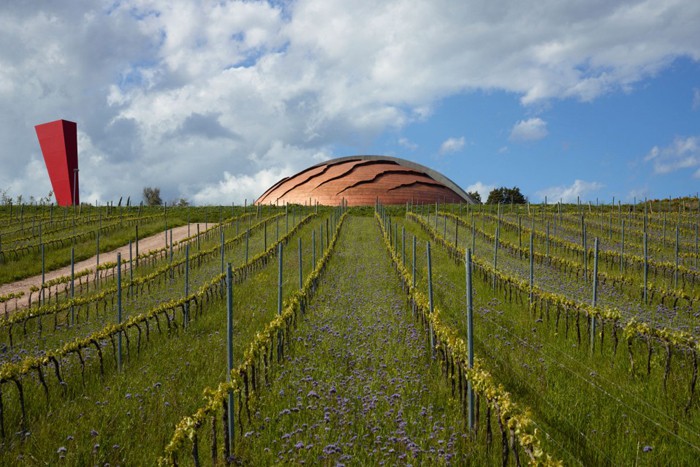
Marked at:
<point>506,195</point>
<point>152,196</point>
<point>475,196</point>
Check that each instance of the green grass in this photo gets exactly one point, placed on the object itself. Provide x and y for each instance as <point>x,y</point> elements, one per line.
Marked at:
<point>156,388</point>
<point>592,408</point>
<point>358,385</point>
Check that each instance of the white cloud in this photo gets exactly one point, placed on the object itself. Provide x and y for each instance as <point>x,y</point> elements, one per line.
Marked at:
<point>452,145</point>
<point>408,144</point>
<point>243,187</point>
<point>481,188</point>
<point>531,129</point>
<point>173,94</point>
<point>683,153</point>
<point>571,193</point>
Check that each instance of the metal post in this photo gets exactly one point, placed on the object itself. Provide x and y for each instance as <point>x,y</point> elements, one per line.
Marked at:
<point>119,310</point>
<point>72,284</point>
<point>585,251</point>
<point>137,245</point>
<point>172,272</point>
<point>594,302</point>
<point>520,236</point>
<point>279,298</point>
<point>222,250</point>
<point>430,301</point>
<point>532,266</point>
<point>495,255</point>
<point>229,348</point>
<point>457,228</point>
<point>279,278</point>
<point>131,272</point>
<point>413,273</point>
<point>313,249</point>
<point>470,337</point>
<point>43,275</point>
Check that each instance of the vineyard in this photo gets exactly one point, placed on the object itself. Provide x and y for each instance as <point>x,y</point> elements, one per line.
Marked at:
<point>333,335</point>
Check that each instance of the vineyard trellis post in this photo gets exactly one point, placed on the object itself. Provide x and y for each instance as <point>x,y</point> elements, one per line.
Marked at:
<point>43,275</point>
<point>470,338</point>
<point>222,248</point>
<point>72,284</point>
<point>119,310</point>
<point>97,255</point>
<point>229,351</point>
<point>532,267</point>
<point>187,284</point>
<point>594,301</point>
<point>520,236</point>
<point>430,301</point>
<point>413,273</point>
<point>280,266</point>
<point>137,245</point>
<point>696,245</point>
<point>131,272</point>
<point>247,237</point>
<point>457,230</point>
<point>584,245</point>
<point>172,272</point>
<point>495,252</point>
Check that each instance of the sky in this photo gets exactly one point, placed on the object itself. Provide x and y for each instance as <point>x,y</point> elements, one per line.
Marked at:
<point>214,102</point>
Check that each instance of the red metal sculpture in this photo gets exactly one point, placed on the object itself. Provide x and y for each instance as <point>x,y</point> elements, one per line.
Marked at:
<point>59,145</point>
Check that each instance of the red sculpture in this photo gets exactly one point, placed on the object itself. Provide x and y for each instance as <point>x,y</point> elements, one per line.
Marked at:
<point>59,145</point>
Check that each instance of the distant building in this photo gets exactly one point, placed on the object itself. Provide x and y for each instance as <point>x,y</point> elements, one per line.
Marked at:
<point>362,180</point>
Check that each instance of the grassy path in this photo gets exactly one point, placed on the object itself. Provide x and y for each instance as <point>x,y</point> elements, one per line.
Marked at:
<point>358,386</point>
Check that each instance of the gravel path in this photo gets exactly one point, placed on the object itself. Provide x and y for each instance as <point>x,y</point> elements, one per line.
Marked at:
<point>154,242</point>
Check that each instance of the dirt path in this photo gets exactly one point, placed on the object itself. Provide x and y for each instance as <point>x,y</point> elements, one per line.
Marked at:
<point>154,242</point>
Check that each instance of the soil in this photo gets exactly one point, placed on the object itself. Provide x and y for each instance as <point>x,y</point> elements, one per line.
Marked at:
<point>154,242</point>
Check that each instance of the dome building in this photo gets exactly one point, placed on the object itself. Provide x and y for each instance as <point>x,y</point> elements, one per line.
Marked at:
<point>361,181</point>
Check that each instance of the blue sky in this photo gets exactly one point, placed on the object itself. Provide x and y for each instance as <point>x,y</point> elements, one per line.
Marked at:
<point>216,101</point>
<point>603,142</point>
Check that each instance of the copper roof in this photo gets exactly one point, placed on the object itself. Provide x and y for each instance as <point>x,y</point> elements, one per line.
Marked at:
<point>362,180</point>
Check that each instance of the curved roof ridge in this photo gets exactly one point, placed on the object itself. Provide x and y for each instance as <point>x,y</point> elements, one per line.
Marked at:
<point>435,175</point>
<point>377,169</point>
